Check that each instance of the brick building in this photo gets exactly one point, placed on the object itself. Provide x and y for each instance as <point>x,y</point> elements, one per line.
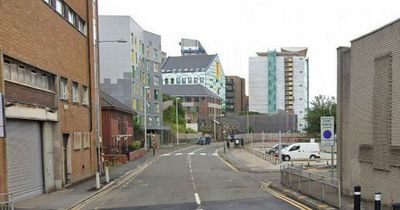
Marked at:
<point>47,72</point>
<point>368,113</point>
<point>235,94</point>
<point>201,105</point>
<point>117,125</point>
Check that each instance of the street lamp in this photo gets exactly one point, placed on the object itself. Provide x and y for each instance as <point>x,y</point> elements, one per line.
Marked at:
<point>177,127</point>
<point>96,76</point>
<point>145,117</point>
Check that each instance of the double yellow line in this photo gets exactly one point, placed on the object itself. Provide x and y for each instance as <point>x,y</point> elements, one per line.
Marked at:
<point>283,197</point>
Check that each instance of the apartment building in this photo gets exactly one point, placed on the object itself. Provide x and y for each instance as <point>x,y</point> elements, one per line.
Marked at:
<point>280,81</point>
<point>130,68</point>
<point>205,70</point>
<point>201,105</point>
<point>48,127</point>
<point>235,94</point>
<point>368,113</point>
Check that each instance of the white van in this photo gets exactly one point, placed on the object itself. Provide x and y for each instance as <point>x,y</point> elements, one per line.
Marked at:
<point>301,151</point>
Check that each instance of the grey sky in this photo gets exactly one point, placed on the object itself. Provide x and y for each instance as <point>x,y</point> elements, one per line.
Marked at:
<point>236,29</point>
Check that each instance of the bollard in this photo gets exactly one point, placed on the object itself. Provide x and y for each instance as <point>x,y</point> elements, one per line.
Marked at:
<point>396,206</point>
<point>357,198</point>
<point>378,196</point>
<point>97,180</point>
<point>107,175</point>
<point>154,151</point>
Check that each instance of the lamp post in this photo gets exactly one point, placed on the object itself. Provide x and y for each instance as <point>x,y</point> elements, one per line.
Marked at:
<point>96,75</point>
<point>145,117</point>
<point>177,127</point>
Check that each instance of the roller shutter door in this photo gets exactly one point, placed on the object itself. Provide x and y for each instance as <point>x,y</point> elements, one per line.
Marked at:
<point>24,158</point>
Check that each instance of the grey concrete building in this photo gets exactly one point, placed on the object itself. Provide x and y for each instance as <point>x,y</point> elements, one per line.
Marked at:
<point>128,68</point>
<point>235,94</point>
<point>369,113</point>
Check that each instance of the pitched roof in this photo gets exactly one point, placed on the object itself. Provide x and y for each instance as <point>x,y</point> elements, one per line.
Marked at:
<point>188,90</point>
<point>188,63</point>
<point>108,102</point>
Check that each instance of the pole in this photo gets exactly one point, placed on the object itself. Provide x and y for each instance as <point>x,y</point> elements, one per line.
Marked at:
<point>280,147</point>
<point>263,139</point>
<point>357,198</point>
<point>215,137</point>
<point>248,129</point>
<point>378,197</point>
<point>145,119</point>
<point>332,161</point>
<point>177,127</point>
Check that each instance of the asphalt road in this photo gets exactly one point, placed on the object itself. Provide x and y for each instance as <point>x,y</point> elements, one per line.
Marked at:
<point>193,178</point>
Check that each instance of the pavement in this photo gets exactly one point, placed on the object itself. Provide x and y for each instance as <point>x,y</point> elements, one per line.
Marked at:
<point>192,178</point>
<point>65,198</point>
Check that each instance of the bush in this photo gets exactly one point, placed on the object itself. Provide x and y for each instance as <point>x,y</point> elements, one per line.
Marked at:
<point>135,145</point>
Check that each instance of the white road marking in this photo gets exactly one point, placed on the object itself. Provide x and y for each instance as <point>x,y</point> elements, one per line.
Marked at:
<point>196,196</point>
<point>202,154</point>
<point>191,153</point>
<point>165,155</point>
<point>214,154</point>
<point>178,154</point>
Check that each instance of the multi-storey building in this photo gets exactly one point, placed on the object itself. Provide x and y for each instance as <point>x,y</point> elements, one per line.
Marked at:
<point>205,70</point>
<point>235,94</point>
<point>130,68</point>
<point>48,81</point>
<point>279,81</point>
<point>192,47</point>
<point>201,105</point>
<point>368,114</point>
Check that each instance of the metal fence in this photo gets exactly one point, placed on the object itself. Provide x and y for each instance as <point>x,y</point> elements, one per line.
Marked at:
<point>6,201</point>
<point>325,189</point>
<point>263,155</point>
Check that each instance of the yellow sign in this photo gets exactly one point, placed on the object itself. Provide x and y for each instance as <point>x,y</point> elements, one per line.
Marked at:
<point>218,70</point>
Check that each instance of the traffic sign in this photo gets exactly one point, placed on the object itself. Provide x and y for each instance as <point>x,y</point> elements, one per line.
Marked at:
<point>328,130</point>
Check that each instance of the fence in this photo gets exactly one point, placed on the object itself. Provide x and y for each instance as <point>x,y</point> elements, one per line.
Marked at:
<point>325,189</point>
<point>263,155</point>
<point>6,201</point>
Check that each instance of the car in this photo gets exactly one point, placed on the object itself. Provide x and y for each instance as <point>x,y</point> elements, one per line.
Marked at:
<point>275,148</point>
<point>203,140</point>
<point>301,151</point>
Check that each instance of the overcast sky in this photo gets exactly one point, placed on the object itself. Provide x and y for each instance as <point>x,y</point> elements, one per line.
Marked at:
<point>236,29</point>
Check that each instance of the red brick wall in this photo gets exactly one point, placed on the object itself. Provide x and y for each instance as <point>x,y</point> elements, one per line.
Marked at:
<point>3,171</point>
<point>110,121</point>
<point>32,32</point>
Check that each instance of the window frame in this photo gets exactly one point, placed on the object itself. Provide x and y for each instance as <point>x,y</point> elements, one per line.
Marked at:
<point>63,92</point>
<point>75,92</point>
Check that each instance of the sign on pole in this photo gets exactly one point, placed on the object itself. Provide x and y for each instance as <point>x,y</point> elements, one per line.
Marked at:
<point>328,130</point>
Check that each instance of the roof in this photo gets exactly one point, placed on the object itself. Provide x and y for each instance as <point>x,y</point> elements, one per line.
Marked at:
<point>188,63</point>
<point>376,30</point>
<point>108,102</point>
<point>288,51</point>
<point>188,90</point>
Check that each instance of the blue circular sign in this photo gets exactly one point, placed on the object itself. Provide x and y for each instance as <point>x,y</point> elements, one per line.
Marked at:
<point>327,134</point>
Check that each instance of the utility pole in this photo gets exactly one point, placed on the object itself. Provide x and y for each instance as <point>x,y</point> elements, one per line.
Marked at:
<point>145,117</point>
<point>177,127</point>
<point>215,137</point>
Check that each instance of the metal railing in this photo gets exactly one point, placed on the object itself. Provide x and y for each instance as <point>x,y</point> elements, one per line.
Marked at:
<point>263,155</point>
<point>6,201</point>
<point>323,188</point>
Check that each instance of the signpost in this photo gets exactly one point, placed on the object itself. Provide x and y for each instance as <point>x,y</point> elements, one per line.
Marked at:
<point>328,134</point>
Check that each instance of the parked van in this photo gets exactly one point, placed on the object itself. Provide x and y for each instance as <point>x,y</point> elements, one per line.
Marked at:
<point>301,151</point>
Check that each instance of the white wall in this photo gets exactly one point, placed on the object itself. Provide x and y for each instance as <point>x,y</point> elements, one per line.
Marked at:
<point>258,84</point>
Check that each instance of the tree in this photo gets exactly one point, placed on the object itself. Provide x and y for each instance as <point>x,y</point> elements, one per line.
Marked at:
<point>320,106</point>
<point>169,114</point>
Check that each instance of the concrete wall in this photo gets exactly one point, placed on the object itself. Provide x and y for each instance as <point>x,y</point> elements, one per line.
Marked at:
<point>370,150</point>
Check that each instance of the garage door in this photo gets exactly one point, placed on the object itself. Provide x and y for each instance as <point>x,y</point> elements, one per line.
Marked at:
<point>24,158</point>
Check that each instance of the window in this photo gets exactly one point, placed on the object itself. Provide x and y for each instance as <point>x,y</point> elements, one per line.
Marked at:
<point>201,79</point>
<point>172,81</point>
<point>7,69</point>
<point>45,82</point>
<point>60,7</point>
<point>183,81</point>
<point>85,95</point>
<point>190,80</point>
<point>75,98</point>
<point>156,81</point>
<point>142,48</point>
<point>157,107</point>
<point>294,148</point>
<point>147,65</point>
<point>77,140</point>
<point>33,77</point>
<point>196,80</point>
<point>71,16</point>
<point>158,121</point>
<point>300,99</point>
<point>155,54</point>
<point>166,81</point>
<point>148,79</point>
<point>178,81</point>
<point>63,88</point>
<point>301,85</point>
<point>132,39</point>
<point>300,72</point>
<point>156,94</point>
<point>21,74</point>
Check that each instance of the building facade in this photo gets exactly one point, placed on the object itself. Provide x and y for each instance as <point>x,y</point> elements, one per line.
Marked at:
<point>130,68</point>
<point>117,125</point>
<point>205,70</point>
<point>49,95</point>
<point>235,94</point>
<point>200,104</point>
<point>279,81</point>
<point>191,47</point>
<point>368,113</point>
